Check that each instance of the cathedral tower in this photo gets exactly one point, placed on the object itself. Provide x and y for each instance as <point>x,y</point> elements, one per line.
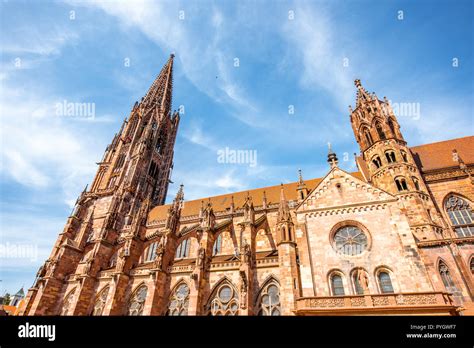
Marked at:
<point>109,218</point>
<point>390,164</point>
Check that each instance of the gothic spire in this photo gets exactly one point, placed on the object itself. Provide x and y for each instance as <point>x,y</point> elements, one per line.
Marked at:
<point>160,92</point>
<point>362,94</point>
<point>283,208</point>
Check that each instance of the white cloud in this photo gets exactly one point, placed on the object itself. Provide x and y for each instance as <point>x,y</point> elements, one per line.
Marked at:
<point>312,34</point>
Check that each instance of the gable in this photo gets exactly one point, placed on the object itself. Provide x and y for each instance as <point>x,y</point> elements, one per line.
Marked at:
<point>341,189</point>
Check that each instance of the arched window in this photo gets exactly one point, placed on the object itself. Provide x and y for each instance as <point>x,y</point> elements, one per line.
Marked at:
<point>471,264</point>
<point>385,282</point>
<point>401,184</point>
<point>137,301</point>
<point>337,286</point>
<point>224,301</point>
<point>404,156</point>
<point>216,249</point>
<point>183,249</point>
<point>392,126</point>
<point>150,252</point>
<point>269,300</point>
<point>461,216</point>
<point>67,303</point>
<point>390,155</point>
<point>446,277</point>
<point>99,304</point>
<point>380,132</point>
<point>368,137</point>
<point>179,300</point>
<point>377,162</point>
<point>416,183</point>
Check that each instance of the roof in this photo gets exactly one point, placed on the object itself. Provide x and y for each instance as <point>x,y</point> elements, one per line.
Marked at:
<point>222,202</point>
<point>20,293</point>
<point>440,155</point>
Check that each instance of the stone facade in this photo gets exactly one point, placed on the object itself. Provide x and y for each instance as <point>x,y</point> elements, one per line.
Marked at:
<point>378,241</point>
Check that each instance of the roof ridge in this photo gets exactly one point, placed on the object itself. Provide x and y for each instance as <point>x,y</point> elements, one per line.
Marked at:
<point>442,141</point>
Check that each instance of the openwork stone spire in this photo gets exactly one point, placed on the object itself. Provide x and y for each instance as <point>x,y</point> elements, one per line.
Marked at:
<point>160,92</point>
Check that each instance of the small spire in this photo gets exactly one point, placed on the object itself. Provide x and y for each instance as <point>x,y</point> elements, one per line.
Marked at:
<point>264,204</point>
<point>283,208</point>
<point>332,157</point>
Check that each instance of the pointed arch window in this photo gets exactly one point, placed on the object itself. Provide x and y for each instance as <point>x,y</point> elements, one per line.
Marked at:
<point>67,303</point>
<point>416,183</point>
<point>392,126</point>
<point>337,285</point>
<point>461,215</point>
<point>99,304</point>
<point>368,137</point>
<point>385,282</point>
<point>150,252</point>
<point>380,131</point>
<point>269,300</point>
<point>377,162</point>
<point>390,156</point>
<point>224,301</point>
<point>216,249</point>
<point>179,301</point>
<point>404,156</point>
<point>446,277</point>
<point>401,184</point>
<point>137,302</point>
<point>183,249</point>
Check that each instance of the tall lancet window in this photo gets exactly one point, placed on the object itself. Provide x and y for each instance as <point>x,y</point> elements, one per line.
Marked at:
<point>337,285</point>
<point>380,131</point>
<point>99,304</point>
<point>137,302</point>
<point>67,303</point>
<point>461,216</point>
<point>269,300</point>
<point>179,300</point>
<point>446,277</point>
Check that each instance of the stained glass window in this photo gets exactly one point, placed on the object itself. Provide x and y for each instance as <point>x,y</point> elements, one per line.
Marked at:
<point>224,301</point>
<point>385,283</point>
<point>179,301</point>
<point>350,240</point>
<point>337,285</point>
<point>269,300</point>
<point>137,301</point>
<point>461,216</point>
<point>67,303</point>
<point>100,302</point>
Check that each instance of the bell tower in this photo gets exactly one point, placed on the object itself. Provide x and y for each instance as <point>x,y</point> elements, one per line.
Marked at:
<point>390,163</point>
<point>109,219</point>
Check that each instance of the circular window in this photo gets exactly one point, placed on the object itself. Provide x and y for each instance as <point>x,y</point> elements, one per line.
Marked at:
<point>350,240</point>
<point>225,294</point>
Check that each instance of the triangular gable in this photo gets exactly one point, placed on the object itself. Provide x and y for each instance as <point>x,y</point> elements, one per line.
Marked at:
<point>352,191</point>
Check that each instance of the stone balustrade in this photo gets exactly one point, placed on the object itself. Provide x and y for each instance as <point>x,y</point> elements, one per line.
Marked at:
<point>403,303</point>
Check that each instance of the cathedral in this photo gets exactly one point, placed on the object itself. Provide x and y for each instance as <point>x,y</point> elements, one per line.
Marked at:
<point>394,238</point>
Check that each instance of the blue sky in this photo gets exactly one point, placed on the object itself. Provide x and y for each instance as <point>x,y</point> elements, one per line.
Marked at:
<point>290,53</point>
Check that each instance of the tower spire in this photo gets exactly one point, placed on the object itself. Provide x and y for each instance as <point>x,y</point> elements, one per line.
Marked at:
<point>160,91</point>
